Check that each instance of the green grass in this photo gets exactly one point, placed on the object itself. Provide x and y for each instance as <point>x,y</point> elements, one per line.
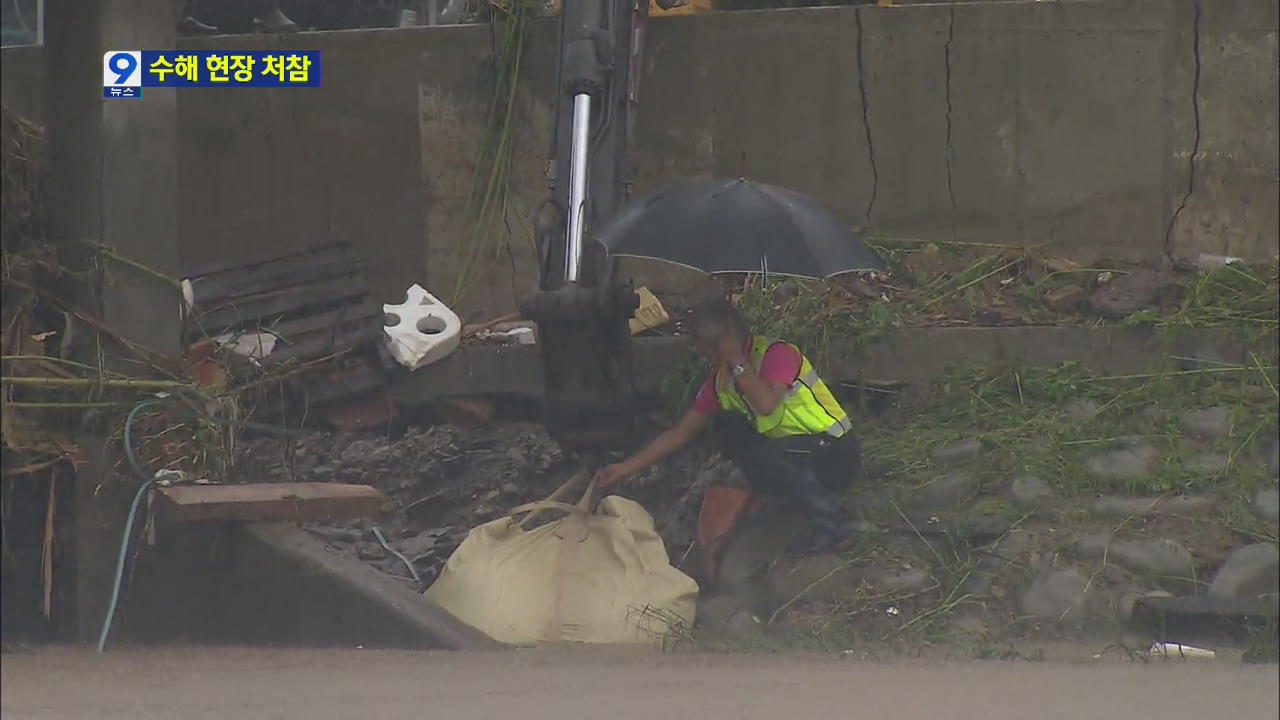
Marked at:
<point>1020,417</point>
<point>959,285</point>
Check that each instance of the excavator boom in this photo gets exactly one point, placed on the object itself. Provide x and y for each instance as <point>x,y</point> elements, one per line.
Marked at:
<point>581,306</point>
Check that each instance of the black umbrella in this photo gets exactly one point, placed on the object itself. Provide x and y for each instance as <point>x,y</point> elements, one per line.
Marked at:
<point>737,226</point>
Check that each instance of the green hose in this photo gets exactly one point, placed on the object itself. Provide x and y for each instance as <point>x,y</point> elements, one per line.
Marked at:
<point>147,484</point>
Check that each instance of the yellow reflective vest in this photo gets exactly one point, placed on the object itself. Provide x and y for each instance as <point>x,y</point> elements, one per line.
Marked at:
<point>808,408</point>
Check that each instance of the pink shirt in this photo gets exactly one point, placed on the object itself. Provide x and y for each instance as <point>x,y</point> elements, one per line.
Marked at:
<point>781,366</point>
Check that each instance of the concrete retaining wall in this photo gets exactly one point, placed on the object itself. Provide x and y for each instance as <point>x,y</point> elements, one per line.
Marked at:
<point>276,584</point>
<point>916,356</point>
<point>1076,123</point>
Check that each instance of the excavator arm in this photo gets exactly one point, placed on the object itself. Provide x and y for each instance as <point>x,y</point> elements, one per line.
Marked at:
<point>581,306</point>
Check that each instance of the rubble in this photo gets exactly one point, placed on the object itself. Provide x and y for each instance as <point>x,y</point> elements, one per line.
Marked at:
<point>443,480</point>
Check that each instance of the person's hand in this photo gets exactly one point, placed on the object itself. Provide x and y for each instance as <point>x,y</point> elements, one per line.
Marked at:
<point>736,357</point>
<point>610,474</point>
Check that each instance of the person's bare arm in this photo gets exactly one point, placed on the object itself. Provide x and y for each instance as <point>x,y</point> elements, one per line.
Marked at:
<point>660,447</point>
<point>764,396</point>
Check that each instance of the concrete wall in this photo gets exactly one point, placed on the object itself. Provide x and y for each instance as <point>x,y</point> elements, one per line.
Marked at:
<point>1072,123</point>
<point>274,584</point>
<point>918,356</point>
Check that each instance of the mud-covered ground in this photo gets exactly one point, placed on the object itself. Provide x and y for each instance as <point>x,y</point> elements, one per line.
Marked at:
<point>208,683</point>
<point>993,510</point>
<point>443,480</point>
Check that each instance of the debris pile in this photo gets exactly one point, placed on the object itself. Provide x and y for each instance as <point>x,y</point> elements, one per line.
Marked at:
<point>443,480</point>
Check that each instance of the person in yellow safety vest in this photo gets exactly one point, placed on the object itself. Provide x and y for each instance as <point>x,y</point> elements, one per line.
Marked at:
<point>774,417</point>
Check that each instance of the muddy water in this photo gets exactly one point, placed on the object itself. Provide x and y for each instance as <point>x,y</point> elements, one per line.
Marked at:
<point>204,683</point>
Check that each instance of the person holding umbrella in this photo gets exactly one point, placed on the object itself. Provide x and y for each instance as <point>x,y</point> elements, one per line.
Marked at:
<point>774,418</point>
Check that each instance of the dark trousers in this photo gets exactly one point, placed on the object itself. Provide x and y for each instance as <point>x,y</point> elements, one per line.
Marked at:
<point>801,473</point>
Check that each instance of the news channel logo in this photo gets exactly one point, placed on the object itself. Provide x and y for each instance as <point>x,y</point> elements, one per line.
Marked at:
<point>126,72</point>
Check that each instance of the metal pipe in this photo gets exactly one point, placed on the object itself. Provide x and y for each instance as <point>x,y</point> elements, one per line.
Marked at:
<point>577,184</point>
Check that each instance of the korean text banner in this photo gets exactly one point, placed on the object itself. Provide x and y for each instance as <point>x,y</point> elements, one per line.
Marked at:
<point>211,68</point>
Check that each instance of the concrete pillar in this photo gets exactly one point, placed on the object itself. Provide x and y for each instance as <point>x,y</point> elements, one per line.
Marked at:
<point>112,179</point>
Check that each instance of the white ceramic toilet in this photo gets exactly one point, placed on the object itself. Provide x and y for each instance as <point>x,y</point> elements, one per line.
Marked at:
<point>421,330</point>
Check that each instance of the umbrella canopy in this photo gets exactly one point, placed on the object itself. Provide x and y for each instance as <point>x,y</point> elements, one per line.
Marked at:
<point>737,226</point>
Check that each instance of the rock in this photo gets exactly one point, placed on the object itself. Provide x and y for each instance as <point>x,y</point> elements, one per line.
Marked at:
<point>1123,462</point>
<point>1129,293</point>
<point>982,525</point>
<point>1204,357</point>
<point>725,615</point>
<point>1209,463</point>
<point>1249,571</point>
<point>956,453</point>
<point>946,492</point>
<point>1082,410</point>
<point>1065,299</point>
<point>1209,423</point>
<point>1017,543</point>
<point>1125,602</point>
<point>1154,413</point>
<point>1157,557</point>
<point>1120,506</point>
<point>813,577</point>
<point>509,488</point>
<point>970,624</point>
<point>903,580</point>
<point>1267,504</point>
<point>1031,492</point>
<point>1058,595</point>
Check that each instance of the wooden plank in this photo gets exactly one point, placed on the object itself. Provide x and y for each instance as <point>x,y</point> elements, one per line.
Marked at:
<point>265,310</point>
<point>211,290</point>
<point>295,502</point>
<point>291,330</point>
<point>320,344</point>
<point>236,264</point>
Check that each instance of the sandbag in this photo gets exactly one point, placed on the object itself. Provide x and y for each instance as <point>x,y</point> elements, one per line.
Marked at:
<point>601,577</point>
